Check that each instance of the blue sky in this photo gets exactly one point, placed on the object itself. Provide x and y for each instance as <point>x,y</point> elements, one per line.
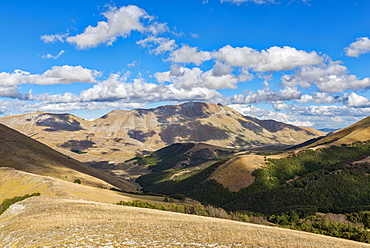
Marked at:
<point>301,62</point>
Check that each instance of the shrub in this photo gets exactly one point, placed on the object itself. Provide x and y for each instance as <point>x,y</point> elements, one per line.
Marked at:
<point>7,202</point>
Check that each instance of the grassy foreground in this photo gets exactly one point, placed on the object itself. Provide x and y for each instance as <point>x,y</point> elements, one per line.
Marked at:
<point>56,222</point>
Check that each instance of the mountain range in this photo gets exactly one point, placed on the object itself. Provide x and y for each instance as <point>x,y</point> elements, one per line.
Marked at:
<point>120,135</point>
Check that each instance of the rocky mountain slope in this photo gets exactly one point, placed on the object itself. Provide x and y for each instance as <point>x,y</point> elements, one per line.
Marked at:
<point>24,153</point>
<point>120,135</point>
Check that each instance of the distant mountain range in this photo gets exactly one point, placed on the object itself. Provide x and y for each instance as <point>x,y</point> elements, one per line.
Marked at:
<point>120,135</point>
<point>328,130</point>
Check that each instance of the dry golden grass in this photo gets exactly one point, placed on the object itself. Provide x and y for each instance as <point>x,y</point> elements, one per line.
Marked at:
<point>360,131</point>
<point>23,153</point>
<point>18,183</point>
<point>237,172</point>
<point>55,222</point>
<point>312,130</point>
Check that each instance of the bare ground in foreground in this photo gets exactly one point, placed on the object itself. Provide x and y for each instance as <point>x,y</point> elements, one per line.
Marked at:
<point>57,222</point>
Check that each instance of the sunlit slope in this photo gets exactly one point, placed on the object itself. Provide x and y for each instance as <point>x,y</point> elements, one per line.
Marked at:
<point>88,224</point>
<point>23,153</point>
<point>360,131</point>
<point>236,173</point>
<point>18,183</point>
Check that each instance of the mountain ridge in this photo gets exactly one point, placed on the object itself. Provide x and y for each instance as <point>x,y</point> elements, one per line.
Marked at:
<point>120,134</point>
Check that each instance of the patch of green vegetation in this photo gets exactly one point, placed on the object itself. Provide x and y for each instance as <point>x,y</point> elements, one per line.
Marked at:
<point>196,186</point>
<point>308,161</point>
<point>196,209</point>
<point>8,202</point>
<point>78,181</point>
<point>321,179</point>
<point>174,171</point>
<point>165,158</point>
<point>78,152</point>
<point>352,227</point>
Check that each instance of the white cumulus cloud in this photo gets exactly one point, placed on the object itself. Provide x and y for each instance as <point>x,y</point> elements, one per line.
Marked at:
<point>56,75</point>
<point>182,77</point>
<point>264,114</point>
<point>328,78</point>
<point>360,46</point>
<point>266,95</point>
<point>272,59</point>
<point>158,45</point>
<point>187,54</point>
<point>64,75</point>
<point>117,87</point>
<point>354,100</point>
<point>9,82</point>
<point>319,98</point>
<point>120,23</point>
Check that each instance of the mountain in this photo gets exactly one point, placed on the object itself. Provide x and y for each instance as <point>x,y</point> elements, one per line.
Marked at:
<point>24,153</point>
<point>120,135</point>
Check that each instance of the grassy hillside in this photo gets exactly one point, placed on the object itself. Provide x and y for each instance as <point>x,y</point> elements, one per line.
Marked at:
<point>23,153</point>
<point>360,131</point>
<point>237,172</point>
<point>17,183</point>
<point>181,160</point>
<point>89,224</point>
<point>325,179</point>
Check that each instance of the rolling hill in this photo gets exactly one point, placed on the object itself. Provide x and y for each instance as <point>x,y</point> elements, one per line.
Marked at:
<point>358,132</point>
<point>332,178</point>
<point>24,153</point>
<point>78,223</point>
<point>17,183</point>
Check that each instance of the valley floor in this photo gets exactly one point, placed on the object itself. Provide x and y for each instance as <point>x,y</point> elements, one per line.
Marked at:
<point>58,222</point>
